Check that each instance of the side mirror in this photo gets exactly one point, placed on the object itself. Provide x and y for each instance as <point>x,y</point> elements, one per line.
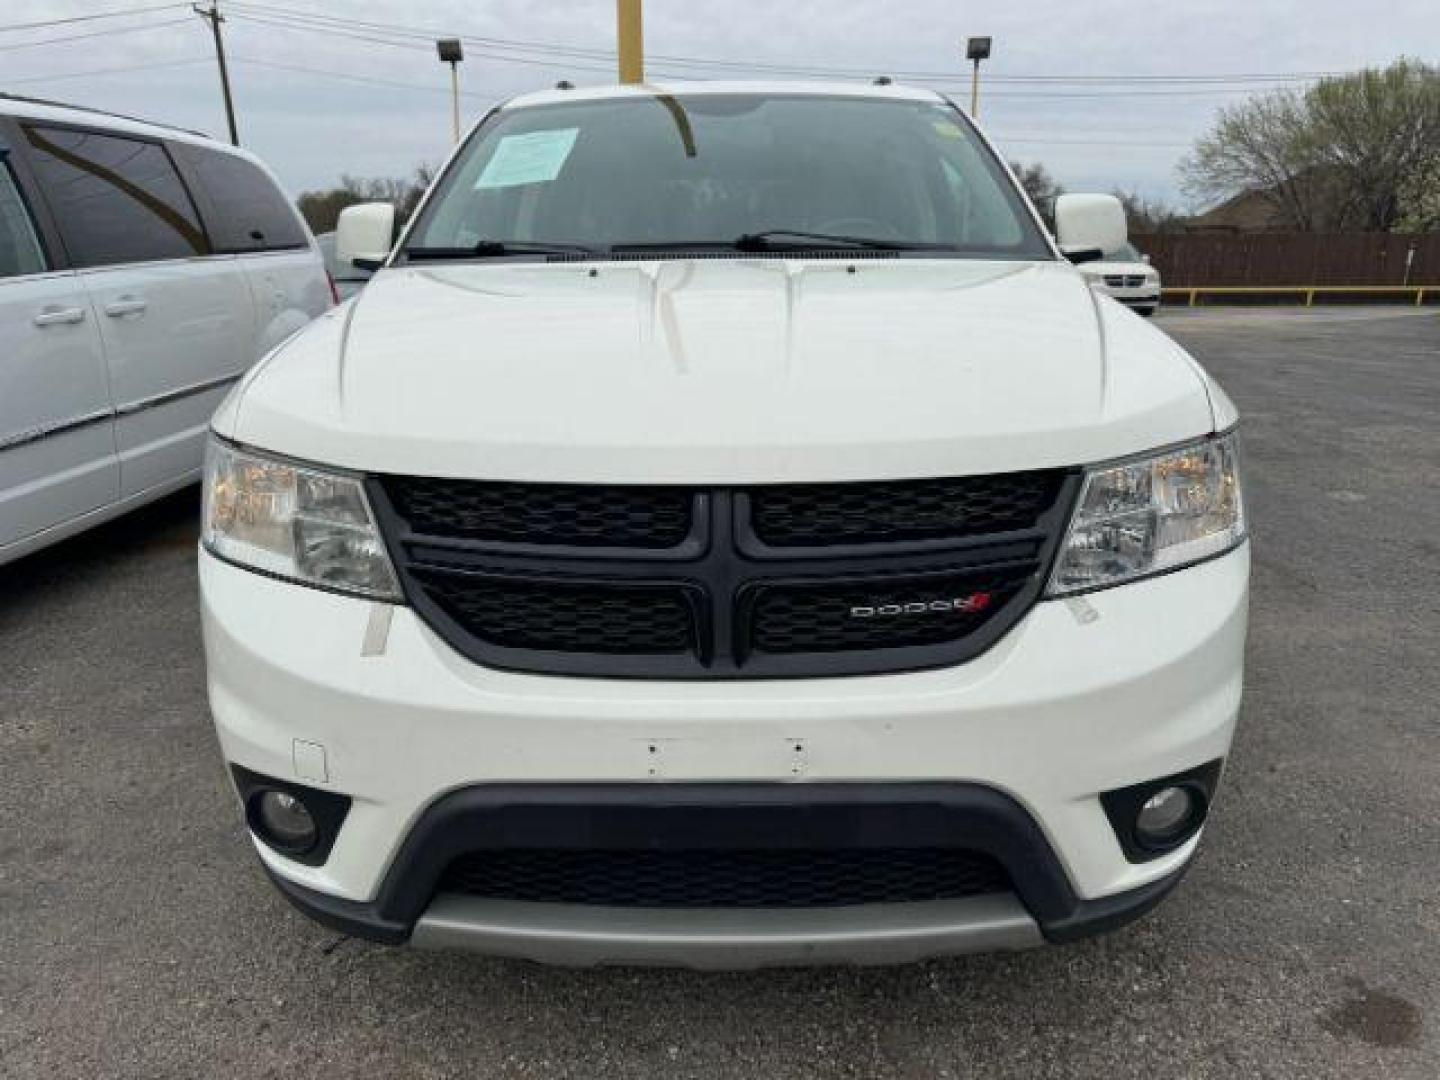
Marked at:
<point>1087,226</point>
<point>1145,258</point>
<point>364,233</point>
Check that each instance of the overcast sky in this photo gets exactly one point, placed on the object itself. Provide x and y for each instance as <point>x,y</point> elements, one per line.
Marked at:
<point>375,102</point>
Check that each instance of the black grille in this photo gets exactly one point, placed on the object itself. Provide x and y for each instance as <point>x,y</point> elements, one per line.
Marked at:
<point>726,878</point>
<point>581,515</point>
<point>715,582</point>
<point>566,616</point>
<point>880,613</point>
<point>818,515</point>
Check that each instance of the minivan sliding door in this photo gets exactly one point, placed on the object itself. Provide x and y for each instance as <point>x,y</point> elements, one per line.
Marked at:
<point>57,439</point>
<point>175,320</point>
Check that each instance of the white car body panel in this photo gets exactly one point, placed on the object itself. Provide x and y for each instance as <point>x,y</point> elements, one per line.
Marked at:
<point>57,434</point>
<point>154,350</point>
<point>727,371</point>
<point>1081,696</point>
<point>716,371</point>
<point>172,361</point>
<point>289,289</point>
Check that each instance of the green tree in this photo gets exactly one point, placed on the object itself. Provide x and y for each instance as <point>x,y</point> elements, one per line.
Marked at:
<point>1378,130</point>
<point>1420,200</point>
<point>1345,154</point>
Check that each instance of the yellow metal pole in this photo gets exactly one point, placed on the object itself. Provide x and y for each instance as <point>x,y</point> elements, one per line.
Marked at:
<point>630,37</point>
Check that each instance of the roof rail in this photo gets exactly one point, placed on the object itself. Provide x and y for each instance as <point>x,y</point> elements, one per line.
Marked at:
<point>100,112</point>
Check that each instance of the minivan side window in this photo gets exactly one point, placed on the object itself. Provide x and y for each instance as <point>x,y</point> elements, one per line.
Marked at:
<point>115,199</point>
<point>20,251</point>
<point>249,213</point>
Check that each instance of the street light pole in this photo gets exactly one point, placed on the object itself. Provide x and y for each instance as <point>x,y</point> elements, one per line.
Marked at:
<point>214,18</point>
<point>976,49</point>
<point>452,53</point>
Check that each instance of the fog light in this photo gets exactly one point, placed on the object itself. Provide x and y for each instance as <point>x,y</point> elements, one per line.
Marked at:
<point>1166,815</point>
<point>286,822</point>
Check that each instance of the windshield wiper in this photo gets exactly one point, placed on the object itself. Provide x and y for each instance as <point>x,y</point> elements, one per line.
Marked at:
<point>776,239</point>
<point>785,240</point>
<point>493,248</point>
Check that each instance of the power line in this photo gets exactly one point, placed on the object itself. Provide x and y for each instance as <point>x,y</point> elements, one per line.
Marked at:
<point>94,34</point>
<point>365,30</point>
<point>369,80</point>
<point>109,71</point>
<point>1211,86</point>
<point>475,50</point>
<point>90,18</point>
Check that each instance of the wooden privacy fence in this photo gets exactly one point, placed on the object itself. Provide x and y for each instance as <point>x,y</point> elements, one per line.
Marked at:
<point>1292,261</point>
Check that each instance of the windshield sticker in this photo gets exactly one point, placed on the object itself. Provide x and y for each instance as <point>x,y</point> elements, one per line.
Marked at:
<point>536,158</point>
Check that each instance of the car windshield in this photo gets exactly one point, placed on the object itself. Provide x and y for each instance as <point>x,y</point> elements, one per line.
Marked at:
<point>752,171</point>
<point>1126,252</point>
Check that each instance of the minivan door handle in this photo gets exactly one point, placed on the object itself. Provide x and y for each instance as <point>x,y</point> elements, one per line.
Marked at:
<point>126,305</point>
<point>59,316</point>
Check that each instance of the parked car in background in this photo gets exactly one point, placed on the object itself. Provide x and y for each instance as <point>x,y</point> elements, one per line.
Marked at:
<point>348,278</point>
<point>143,270</point>
<point>1127,275</point>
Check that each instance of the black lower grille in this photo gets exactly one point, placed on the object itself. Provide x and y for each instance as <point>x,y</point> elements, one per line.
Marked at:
<point>591,617</point>
<point>744,879</point>
<point>880,613</point>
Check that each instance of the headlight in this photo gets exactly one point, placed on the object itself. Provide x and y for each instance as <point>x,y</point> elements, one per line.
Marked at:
<point>294,522</point>
<point>1152,514</point>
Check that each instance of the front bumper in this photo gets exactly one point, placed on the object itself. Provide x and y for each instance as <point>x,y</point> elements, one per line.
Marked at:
<point>1139,296</point>
<point>685,818</point>
<point>1083,696</point>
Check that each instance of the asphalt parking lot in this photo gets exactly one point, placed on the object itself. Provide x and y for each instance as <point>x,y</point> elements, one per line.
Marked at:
<point>138,937</point>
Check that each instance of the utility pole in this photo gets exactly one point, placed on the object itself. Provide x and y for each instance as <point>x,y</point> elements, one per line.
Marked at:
<point>976,49</point>
<point>214,18</point>
<point>630,39</point>
<point>451,52</point>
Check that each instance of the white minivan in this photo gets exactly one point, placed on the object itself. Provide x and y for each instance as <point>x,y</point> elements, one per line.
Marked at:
<point>727,530</point>
<point>143,269</point>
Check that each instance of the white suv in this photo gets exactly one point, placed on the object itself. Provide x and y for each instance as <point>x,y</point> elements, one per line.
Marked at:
<point>142,270</point>
<point>725,531</point>
<point>1126,275</point>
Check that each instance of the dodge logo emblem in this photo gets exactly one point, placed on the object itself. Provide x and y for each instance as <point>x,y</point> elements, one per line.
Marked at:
<point>966,605</point>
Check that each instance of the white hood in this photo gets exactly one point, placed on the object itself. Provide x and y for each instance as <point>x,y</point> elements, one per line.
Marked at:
<point>721,371</point>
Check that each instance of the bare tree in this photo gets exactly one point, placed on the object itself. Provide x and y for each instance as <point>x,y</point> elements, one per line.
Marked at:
<point>322,208</point>
<point>1343,154</point>
<point>1144,215</point>
<point>1039,185</point>
<point>1264,146</point>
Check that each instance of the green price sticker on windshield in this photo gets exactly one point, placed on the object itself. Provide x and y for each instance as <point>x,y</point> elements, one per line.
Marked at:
<point>536,158</point>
